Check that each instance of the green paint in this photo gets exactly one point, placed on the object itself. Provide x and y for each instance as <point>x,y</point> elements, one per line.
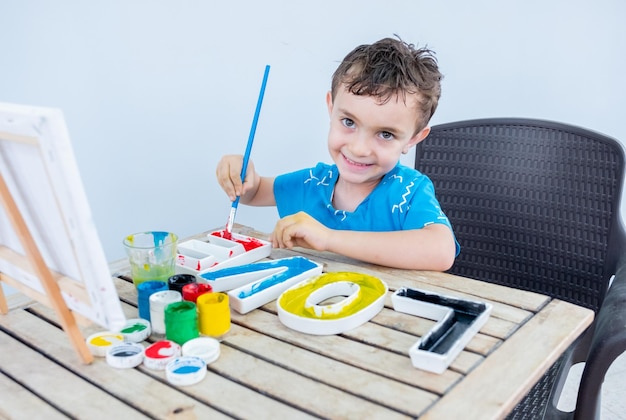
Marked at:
<point>133,328</point>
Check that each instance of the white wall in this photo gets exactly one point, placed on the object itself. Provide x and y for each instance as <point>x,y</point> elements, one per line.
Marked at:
<point>154,92</point>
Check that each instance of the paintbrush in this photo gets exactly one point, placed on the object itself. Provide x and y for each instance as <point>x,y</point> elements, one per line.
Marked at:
<point>246,156</point>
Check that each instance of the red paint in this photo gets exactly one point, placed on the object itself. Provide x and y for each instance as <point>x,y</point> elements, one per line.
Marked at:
<point>230,254</point>
<point>248,244</point>
<point>162,349</point>
<point>198,266</point>
<point>191,291</point>
<point>223,234</point>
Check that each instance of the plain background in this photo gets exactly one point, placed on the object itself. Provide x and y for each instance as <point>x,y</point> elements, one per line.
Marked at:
<point>155,92</point>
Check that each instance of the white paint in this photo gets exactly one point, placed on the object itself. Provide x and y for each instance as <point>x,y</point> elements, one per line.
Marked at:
<point>155,92</point>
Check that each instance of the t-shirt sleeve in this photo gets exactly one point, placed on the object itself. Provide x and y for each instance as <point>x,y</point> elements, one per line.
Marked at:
<point>289,192</point>
<point>424,208</point>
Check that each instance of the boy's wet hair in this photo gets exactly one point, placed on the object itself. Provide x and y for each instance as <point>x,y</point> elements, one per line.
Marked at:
<point>392,67</point>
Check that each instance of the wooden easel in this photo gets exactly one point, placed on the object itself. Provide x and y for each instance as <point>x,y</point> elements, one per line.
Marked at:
<point>34,263</point>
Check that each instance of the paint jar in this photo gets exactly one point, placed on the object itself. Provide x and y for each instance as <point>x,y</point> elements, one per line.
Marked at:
<point>152,255</point>
<point>158,302</point>
<point>214,314</point>
<point>181,322</point>
<point>177,281</point>
<point>144,291</point>
<point>191,291</point>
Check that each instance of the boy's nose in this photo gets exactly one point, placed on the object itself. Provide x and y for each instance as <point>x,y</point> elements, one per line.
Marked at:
<point>360,145</point>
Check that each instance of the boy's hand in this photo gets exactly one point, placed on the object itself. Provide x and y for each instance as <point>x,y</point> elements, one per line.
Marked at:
<point>302,230</point>
<point>228,175</point>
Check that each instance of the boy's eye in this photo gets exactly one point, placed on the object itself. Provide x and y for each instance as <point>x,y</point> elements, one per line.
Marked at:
<point>386,135</point>
<point>348,122</point>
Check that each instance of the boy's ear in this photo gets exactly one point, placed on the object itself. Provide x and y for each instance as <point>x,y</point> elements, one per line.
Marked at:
<point>418,137</point>
<point>329,102</point>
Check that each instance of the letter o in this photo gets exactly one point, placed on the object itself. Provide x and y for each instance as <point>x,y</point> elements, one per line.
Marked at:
<point>301,306</point>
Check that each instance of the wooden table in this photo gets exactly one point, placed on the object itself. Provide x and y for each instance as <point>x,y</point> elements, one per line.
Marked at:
<point>266,370</point>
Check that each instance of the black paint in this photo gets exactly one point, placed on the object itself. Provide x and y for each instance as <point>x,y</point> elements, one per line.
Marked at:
<point>443,336</point>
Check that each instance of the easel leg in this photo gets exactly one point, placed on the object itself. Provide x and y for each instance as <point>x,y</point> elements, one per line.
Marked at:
<point>4,307</point>
<point>51,287</point>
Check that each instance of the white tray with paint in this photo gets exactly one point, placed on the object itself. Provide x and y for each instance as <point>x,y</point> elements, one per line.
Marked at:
<point>230,278</point>
<point>458,321</point>
<point>215,252</point>
<point>271,281</point>
<point>313,316</point>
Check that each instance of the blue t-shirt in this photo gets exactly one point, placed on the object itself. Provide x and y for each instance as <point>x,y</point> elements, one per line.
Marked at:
<point>404,199</point>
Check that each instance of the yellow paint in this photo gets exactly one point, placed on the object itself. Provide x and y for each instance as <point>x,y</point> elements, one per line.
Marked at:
<point>213,314</point>
<point>106,340</point>
<point>294,299</point>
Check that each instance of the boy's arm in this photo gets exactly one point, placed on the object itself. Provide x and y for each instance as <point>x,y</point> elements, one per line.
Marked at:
<point>264,194</point>
<point>429,248</point>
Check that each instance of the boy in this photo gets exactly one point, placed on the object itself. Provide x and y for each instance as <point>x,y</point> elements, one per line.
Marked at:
<point>367,205</point>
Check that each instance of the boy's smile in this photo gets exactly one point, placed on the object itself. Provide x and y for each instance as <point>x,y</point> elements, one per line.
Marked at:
<point>367,137</point>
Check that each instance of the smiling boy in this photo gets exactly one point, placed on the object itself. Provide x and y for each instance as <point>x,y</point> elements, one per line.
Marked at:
<point>366,205</point>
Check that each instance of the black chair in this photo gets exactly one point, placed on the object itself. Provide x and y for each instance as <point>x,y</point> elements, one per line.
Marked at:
<point>536,205</point>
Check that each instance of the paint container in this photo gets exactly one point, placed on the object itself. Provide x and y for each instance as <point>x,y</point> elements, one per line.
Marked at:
<point>214,314</point>
<point>99,343</point>
<point>158,302</point>
<point>144,291</point>
<point>191,291</point>
<point>160,353</point>
<point>136,330</point>
<point>185,370</point>
<point>181,322</point>
<point>356,297</point>
<point>206,348</point>
<point>177,281</point>
<point>125,355</point>
<point>152,255</point>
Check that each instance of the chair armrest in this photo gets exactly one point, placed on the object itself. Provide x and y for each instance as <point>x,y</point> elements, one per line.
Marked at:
<point>608,343</point>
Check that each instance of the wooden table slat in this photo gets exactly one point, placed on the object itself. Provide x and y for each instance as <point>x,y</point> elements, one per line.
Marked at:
<point>14,398</point>
<point>43,378</point>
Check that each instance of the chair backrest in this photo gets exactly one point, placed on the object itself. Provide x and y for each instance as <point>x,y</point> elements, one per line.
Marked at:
<point>534,204</point>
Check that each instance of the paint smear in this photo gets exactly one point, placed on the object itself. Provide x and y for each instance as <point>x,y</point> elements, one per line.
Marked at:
<point>161,350</point>
<point>294,299</point>
<point>133,328</point>
<point>106,340</point>
<point>248,244</point>
<point>184,370</point>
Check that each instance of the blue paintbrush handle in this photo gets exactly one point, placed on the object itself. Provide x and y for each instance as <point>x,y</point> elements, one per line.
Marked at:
<point>246,155</point>
<point>255,120</point>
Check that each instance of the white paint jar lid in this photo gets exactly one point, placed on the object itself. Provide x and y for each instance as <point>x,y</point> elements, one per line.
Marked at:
<point>206,348</point>
<point>125,355</point>
<point>185,370</point>
<point>159,354</point>
<point>136,330</point>
<point>100,342</point>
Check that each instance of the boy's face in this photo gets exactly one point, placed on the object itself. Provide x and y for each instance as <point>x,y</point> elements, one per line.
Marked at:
<point>366,137</point>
